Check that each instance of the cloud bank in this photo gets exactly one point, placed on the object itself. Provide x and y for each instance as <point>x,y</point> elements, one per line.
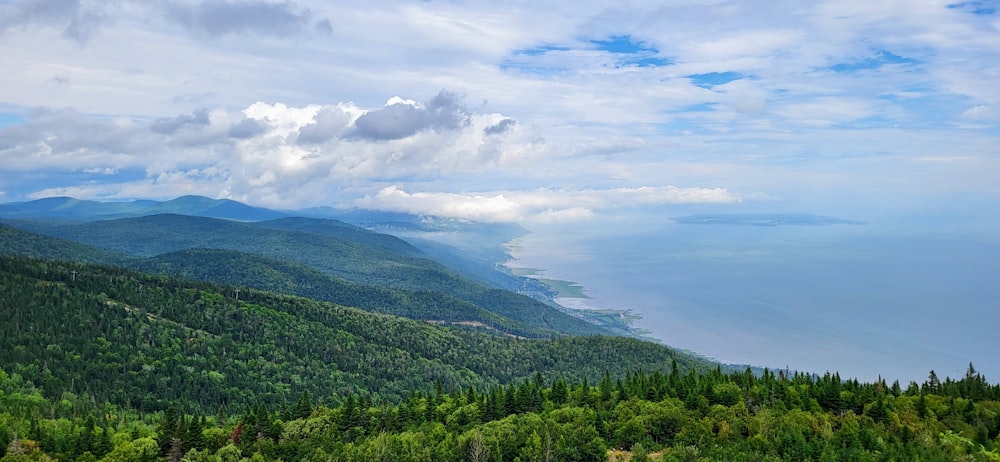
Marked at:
<point>543,205</point>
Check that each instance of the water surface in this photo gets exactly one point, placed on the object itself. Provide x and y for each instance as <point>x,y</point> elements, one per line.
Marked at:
<point>863,300</point>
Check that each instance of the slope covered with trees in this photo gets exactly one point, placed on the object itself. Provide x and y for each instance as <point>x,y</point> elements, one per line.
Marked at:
<point>337,249</point>
<point>145,342</point>
<point>246,270</point>
<point>638,416</point>
<point>14,241</point>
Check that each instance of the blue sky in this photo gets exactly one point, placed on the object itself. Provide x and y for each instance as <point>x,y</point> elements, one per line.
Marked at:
<point>504,111</point>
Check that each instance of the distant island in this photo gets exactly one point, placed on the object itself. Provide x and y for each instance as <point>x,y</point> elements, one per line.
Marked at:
<point>764,219</point>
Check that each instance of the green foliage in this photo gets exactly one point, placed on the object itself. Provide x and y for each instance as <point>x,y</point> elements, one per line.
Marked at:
<point>290,255</point>
<point>427,426</point>
<point>268,274</point>
<point>14,241</point>
<point>146,342</point>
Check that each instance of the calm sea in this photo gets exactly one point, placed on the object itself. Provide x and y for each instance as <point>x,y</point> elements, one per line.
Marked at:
<point>857,299</point>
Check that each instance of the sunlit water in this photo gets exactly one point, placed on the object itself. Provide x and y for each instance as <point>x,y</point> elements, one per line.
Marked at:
<point>850,298</point>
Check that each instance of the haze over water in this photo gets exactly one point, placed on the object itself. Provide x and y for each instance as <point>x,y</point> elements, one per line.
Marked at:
<point>864,300</point>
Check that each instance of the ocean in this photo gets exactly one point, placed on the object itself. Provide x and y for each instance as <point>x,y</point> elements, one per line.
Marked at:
<point>862,300</point>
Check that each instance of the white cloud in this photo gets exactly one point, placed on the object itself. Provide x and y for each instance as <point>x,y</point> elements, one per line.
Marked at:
<point>274,153</point>
<point>826,111</point>
<point>981,111</point>
<point>543,205</point>
<point>474,207</point>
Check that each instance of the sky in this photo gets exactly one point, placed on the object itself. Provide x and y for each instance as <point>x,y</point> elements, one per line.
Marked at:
<point>505,111</point>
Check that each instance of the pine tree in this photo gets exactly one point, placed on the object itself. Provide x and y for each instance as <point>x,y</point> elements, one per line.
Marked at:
<point>167,429</point>
<point>195,438</point>
<point>933,384</point>
<point>304,407</point>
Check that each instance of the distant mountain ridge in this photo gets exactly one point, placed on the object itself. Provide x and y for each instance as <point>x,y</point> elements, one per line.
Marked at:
<point>68,208</point>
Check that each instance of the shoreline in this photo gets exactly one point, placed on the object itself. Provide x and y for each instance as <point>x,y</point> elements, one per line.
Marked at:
<point>570,297</point>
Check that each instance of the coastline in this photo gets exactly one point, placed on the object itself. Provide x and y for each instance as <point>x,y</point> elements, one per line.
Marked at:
<point>571,297</point>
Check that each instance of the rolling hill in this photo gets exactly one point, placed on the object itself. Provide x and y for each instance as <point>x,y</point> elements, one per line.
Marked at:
<point>144,341</point>
<point>284,277</point>
<point>332,247</point>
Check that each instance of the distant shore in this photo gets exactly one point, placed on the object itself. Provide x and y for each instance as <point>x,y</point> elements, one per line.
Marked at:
<point>571,298</point>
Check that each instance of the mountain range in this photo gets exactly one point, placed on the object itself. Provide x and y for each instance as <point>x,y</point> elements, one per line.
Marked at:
<point>284,274</point>
<point>323,258</point>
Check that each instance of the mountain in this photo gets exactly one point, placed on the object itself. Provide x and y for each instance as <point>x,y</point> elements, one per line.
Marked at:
<point>14,241</point>
<point>67,208</point>
<point>145,341</point>
<point>341,230</point>
<point>477,257</point>
<point>281,276</point>
<point>334,248</point>
<point>213,208</point>
<point>468,248</point>
<point>284,277</point>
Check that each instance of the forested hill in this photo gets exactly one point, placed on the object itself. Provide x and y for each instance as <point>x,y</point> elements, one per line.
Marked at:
<point>334,248</point>
<point>14,241</point>
<point>280,276</point>
<point>144,342</point>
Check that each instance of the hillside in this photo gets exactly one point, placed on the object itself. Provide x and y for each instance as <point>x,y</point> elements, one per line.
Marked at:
<point>246,270</point>
<point>479,245</point>
<point>14,241</point>
<point>146,341</point>
<point>285,277</point>
<point>334,248</point>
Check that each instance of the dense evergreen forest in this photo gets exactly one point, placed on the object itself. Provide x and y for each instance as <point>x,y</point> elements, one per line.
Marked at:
<point>144,342</point>
<point>663,415</point>
<point>296,254</point>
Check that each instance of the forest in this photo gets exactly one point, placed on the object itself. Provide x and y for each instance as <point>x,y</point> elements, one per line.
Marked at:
<point>663,415</point>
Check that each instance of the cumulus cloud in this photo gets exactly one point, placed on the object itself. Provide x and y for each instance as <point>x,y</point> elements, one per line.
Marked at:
<point>279,155</point>
<point>500,127</point>
<point>543,205</point>
<point>247,128</point>
<point>288,156</point>
<point>328,123</point>
<point>168,125</point>
<point>401,118</point>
